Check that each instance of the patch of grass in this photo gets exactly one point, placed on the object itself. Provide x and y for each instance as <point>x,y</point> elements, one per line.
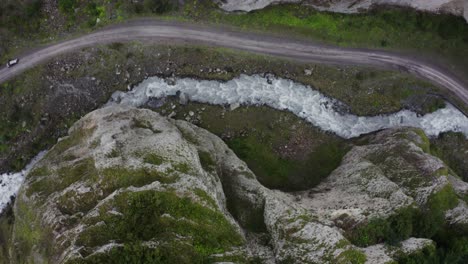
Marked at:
<point>67,6</point>
<point>114,153</point>
<point>6,230</point>
<point>182,167</point>
<point>145,124</point>
<point>153,158</point>
<point>452,148</point>
<point>351,256</point>
<point>432,218</point>
<point>74,139</point>
<point>206,161</point>
<point>29,233</point>
<point>62,178</point>
<point>427,222</point>
<point>392,230</point>
<point>205,231</point>
<point>119,177</point>
<point>72,202</point>
<point>205,197</point>
<point>286,174</point>
<point>426,255</point>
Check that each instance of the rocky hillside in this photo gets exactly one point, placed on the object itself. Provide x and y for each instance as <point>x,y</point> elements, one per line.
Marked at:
<point>130,186</point>
<point>455,7</point>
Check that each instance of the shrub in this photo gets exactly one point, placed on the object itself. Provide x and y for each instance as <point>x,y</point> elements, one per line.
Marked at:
<point>67,6</point>
<point>158,6</point>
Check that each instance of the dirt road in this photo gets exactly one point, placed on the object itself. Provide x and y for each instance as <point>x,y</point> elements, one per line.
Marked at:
<point>176,32</point>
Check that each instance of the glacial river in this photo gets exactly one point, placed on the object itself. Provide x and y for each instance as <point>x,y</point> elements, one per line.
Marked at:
<point>277,93</point>
<point>302,100</point>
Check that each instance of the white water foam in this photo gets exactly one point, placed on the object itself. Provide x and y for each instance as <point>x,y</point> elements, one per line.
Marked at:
<point>11,182</point>
<point>300,99</point>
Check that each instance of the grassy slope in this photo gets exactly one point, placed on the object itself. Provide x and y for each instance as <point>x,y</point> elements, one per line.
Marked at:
<point>282,150</point>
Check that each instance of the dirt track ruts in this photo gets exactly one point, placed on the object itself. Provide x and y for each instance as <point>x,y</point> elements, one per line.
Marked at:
<point>301,50</point>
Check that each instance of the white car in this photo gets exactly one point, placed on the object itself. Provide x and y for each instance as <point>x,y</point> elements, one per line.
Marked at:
<point>11,63</point>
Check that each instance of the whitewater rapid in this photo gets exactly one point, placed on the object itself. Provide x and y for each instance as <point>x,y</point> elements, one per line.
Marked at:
<point>302,100</point>
<point>11,182</point>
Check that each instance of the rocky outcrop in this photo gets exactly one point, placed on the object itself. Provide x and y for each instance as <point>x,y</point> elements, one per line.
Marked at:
<point>129,184</point>
<point>455,7</point>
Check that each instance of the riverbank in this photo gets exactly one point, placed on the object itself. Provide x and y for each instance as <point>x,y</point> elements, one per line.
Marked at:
<point>40,105</point>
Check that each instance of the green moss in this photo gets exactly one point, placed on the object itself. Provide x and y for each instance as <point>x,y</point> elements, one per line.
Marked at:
<point>64,177</point>
<point>114,153</point>
<point>342,243</point>
<point>6,230</point>
<point>426,255</point>
<point>351,256</point>
<point>119,177</point>
<point>286,174</point>
<point>39,171</point>
<point>393,229</point>
<point>29,234</point>
<point>143,218</point>
<point>73,202</point>
<point>206,161</point>
<point>452,148</point>
<point>431,219</point>
<point>74,139</point>
<point>153,158</point>
<point>145,124</point>
<point>182,167</point>
<point>205,197</point>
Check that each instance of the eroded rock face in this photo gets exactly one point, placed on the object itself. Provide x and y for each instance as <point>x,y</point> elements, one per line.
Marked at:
<point>130,184</point>
<point>455,7</point>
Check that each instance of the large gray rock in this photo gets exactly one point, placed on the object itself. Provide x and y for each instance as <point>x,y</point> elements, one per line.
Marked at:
<point>130,184</point>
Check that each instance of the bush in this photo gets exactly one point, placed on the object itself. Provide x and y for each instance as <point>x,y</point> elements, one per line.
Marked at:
<point>392,230</point>
<point>33,8</point>
<point>67,6</point>
<point>158,6</point>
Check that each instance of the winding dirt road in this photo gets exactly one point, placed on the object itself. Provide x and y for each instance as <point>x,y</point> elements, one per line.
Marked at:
<point>301,50</point>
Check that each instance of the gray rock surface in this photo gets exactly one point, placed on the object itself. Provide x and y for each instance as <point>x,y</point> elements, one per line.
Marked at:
<point>125,169</point>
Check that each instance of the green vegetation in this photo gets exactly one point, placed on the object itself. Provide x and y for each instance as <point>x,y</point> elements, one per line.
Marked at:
<point>119,177</point>
<point>65,176</point>
<point>144,218</point>
<point>427,255</point>
<point>114,153</point>
<point>6,228</point>
<point>258,136</point>
<point>158,6</point>
<point>206,161</point>
<point>145,124</point>
<point>392,230</point>
<point>286,174</point>
<point>205,197</point>
<point>153,158</point>
<point>351,256</point>
<point>386,28</point>
<point>451,148</point>
<point>67,6</point>
<point>28,233</point>
<point>431,219</point>
<point>428,222</point>
<point>26,100</point>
